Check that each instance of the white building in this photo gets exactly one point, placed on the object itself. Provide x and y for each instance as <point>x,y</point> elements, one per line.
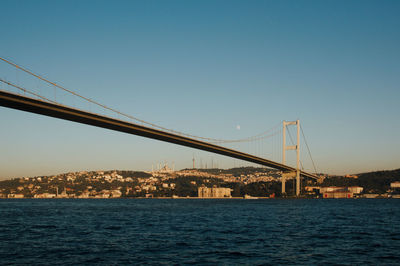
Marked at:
<point>214,192</point>
<point>45,196</point>
<point>355,190</point>
<point>116,193</point>
<point>16,196</point>
<point>395,184</point>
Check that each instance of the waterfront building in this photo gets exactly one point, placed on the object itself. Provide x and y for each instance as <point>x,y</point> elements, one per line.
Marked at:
<point>395,189</point>
<point>45,196</point>
<point>395,185</point>
<point>371,196</point>
<point>355,190</point>
<point>116,193</point>
<point>84,195</point>
<point>16,196</point>
<point>214,192</point>
<point>340,192</point>
<point>338,195</point>
<point>63,194</point>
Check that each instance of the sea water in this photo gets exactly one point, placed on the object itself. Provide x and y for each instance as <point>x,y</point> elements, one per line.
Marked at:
<point>199,231</point>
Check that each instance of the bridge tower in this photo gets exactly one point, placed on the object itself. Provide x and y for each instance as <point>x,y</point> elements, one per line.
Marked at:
<point>293,147</point>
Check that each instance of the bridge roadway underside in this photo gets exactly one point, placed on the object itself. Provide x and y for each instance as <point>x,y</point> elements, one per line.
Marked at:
<point>27,104</point>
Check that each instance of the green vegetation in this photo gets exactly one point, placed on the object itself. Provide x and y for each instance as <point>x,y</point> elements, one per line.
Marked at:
<point>372,182</point>
<point>256,182</point>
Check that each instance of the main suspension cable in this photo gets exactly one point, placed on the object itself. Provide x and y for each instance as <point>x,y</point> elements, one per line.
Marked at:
<point>24,69</point>
<point>27,91</point>
<point>309,152</point>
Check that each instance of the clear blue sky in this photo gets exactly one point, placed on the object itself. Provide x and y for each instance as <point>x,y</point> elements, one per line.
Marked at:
<point>205,67</point>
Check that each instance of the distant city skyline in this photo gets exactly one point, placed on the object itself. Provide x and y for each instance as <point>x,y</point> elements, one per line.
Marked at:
<point>215,69</point>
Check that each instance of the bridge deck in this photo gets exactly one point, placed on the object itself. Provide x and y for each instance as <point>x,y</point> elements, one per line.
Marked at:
<point>27,104</point>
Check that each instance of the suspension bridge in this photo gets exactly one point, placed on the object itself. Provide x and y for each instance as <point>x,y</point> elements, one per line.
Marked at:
<point>39,104</point>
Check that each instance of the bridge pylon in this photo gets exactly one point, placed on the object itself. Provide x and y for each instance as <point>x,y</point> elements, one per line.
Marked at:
<point>291,147</point>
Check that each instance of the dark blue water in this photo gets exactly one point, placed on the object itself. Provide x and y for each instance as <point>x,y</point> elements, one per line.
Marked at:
<point>190,231</point>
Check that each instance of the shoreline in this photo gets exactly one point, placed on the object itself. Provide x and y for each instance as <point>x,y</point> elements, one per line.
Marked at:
<point>197,198</point>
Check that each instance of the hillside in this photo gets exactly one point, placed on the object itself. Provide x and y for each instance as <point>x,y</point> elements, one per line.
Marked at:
<point>372,182</point>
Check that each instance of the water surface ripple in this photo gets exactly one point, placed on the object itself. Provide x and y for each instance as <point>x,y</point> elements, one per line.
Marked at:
<point>206,232</point>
